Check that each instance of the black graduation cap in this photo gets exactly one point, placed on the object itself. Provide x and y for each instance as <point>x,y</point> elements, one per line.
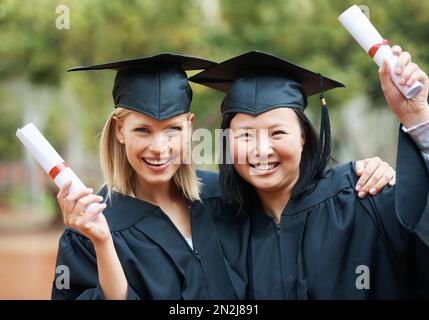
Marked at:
<point>256,82</point>
<point>156,86</point>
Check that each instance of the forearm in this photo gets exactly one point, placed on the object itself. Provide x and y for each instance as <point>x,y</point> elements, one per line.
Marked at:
<point>420,135</point>
<point>110,272</point>
<point>411,194</point>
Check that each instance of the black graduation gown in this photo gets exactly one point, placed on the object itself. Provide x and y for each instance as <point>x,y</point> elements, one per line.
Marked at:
<point>157,260</point>
<point>328,242</point>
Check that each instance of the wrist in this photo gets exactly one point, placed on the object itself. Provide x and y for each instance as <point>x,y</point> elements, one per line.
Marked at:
<point>103,244</point>
<point>412,119</point>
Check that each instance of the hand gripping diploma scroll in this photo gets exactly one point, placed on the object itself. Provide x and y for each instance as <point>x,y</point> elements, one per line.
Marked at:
<point>49,159</point>
<point>362,30</point>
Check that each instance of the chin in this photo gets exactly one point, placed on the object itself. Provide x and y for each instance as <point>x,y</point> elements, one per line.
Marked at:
<point>154,178</point>
<point>157,178</point>
<point>264,185</point>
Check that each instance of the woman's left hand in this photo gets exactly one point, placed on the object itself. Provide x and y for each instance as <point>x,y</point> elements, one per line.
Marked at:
<point>374,175</point>
<point>409,111</point>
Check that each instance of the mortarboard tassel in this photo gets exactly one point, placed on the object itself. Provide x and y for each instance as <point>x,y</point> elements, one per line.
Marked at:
<point>325,133</point>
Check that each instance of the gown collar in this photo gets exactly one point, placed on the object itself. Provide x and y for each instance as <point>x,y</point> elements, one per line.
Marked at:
<point>334,181</point>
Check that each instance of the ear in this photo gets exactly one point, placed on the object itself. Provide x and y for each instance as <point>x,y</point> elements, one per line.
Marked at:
<point>302,141</point>
<point>119,129</point>
<point>191,119</point>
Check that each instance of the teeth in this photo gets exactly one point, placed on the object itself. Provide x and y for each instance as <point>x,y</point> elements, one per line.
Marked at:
<point>265,167</point>
<point>156,162</point>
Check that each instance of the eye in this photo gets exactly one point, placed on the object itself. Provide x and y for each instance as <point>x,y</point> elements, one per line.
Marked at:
<point>177,128</point>
<point>278,132</point>
<point>244,135</point>
<point>142,130</point>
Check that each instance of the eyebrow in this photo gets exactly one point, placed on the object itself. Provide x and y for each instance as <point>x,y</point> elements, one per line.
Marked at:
<point>176,123</point>
<point>270,127</point>
<point>278,125</point>
<point>244,128</point>
<point>141,124</point>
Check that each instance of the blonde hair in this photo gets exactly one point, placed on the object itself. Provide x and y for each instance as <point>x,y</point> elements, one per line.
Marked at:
<point>120,176</point>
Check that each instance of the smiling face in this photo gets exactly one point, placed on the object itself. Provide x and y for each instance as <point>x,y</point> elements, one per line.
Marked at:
<point>266,149</point>
<point>155,149</point>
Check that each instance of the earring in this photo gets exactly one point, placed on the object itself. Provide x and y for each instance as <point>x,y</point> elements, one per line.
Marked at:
<point>121,141</point>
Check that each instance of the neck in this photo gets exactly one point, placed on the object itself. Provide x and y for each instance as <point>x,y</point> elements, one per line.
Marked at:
<point>274,202</point>
<point>156,194</point>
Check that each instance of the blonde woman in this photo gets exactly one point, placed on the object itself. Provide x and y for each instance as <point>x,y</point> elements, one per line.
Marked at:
<point>156,236</point>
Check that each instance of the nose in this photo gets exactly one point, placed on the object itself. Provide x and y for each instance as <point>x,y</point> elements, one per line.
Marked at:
<point>263,147</point>
<point>159,144</point>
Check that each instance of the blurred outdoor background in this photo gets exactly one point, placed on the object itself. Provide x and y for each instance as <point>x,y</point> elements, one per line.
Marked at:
<point>71,108</point>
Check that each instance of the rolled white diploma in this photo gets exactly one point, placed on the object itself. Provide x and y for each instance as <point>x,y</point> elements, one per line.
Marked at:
<point>364,32</point>
<point>49,159</point>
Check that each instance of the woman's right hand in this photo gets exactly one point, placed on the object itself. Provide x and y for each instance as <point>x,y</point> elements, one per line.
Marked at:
<point>91,223</point>
<point>412,111</point>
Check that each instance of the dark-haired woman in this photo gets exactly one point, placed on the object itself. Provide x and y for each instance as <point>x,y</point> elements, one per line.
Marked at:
<point>312,237</point>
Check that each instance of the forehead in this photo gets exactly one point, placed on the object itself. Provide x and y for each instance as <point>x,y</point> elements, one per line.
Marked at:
<point>140,118</point>
<point>274,117</point>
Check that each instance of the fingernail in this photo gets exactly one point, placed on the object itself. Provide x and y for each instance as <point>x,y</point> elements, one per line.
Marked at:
<point>361,194</point>
<point>409,83</point>
<point>358,187</point>
<point>398,70</point>
<point>372,191</point>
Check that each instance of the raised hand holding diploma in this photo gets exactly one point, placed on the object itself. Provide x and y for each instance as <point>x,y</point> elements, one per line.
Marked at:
<point>412,111</point>
<point>362,30</point>
<point>81,209</point>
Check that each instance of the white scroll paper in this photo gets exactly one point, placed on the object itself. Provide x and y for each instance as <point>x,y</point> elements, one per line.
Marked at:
<point>48,158</point>
<point>363,31</point>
